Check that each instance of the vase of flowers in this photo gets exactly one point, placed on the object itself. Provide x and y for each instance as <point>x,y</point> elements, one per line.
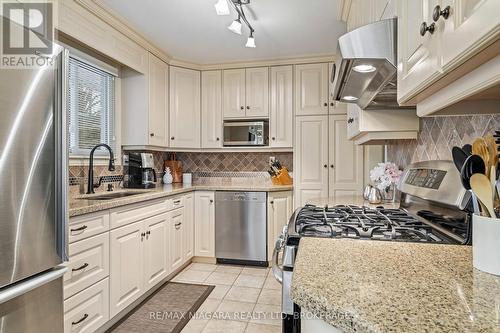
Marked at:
<point>385,176</point>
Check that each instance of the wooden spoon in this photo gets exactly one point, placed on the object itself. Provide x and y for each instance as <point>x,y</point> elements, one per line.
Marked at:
<point>481,187</point>
<point>480,148</point>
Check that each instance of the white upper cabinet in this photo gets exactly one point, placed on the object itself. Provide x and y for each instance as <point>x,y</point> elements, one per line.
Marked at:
<point>281,115</point>
<point>158,102</point>
<point>234,93</point>
<point>246,93</point>
<point>311,89</point>
<point>185,115</point>
<point>418,56</point>
<point>211,109</point>
<point>424,62</point>
<point>257,92</point>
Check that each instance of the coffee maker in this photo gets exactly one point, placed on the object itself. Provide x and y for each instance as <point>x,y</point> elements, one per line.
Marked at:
<point>140,172</point>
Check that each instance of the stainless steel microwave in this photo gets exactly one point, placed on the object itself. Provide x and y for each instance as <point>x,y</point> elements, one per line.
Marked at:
<point>246,133</point>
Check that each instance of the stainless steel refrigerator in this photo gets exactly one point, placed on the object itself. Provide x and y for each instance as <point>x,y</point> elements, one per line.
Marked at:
<point>33,213</point>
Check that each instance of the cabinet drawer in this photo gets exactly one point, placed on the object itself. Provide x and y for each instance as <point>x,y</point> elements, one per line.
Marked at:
<point>87,310</point>
<point>88,225</point>
<point>88,263</point>
<point>178,202</point>
<point>132,213</point>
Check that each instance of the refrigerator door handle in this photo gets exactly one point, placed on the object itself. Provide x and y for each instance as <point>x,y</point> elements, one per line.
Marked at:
<point>20,288</point>
<point>62,156</point>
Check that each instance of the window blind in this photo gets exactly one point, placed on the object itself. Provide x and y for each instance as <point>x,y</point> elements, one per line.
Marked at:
<point>91,107</point>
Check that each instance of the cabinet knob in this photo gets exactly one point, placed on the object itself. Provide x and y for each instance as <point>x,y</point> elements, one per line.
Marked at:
<point>326,104</point>
<point>424,28</point>
<point>248,108</point>
<point>152,134</point>
<point>273,138</point>
<point>325,166</point>
<point>211,201</point>
<point>218,139</point>
<point>332,104</point>
<point>271,202</point>
<point>437,12</point>
<point>332,166</point>
<point>350,120</point>
<point>242,107</point>
<point>172,138</point>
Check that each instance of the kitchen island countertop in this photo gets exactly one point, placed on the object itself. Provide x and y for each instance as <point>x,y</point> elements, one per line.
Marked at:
<point>380,286</point>
<point>83,205</point>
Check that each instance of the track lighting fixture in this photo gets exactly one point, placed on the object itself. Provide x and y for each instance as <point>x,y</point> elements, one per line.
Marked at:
<point>222,8</point>
<point>236,26</point>
<point>250,40</point>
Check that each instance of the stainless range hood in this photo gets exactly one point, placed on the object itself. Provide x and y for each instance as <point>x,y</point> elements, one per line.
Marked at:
<point>367,74</point>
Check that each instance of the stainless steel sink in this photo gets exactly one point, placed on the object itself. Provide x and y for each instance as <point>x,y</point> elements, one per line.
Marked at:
<point>113,195</point>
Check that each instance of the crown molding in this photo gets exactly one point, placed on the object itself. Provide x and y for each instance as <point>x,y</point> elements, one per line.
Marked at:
<point>102,11</point>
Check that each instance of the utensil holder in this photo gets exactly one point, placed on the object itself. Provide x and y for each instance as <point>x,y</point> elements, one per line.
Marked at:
<point>283,178</point>
<point>485,244</point>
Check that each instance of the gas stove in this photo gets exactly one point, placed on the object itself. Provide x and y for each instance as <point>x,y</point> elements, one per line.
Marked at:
<point>434,208</point>
<point>363,222</point>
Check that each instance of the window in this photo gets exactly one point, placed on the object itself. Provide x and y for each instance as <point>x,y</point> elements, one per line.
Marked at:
<point>91,108</point>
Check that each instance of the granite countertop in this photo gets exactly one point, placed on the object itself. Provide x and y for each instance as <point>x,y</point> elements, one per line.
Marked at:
<point>81,205</point>
<point>379,286</point>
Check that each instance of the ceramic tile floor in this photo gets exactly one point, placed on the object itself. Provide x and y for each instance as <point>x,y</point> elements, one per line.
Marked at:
<point>245,299</point>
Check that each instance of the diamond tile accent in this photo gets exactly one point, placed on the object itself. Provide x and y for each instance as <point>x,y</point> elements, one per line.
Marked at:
<point>439,135</point>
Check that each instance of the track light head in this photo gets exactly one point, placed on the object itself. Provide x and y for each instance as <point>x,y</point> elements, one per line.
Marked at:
<point>236,26</point>
<point>221,7</point>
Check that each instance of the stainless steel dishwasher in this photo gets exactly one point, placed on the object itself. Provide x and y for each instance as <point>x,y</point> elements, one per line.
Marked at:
<point>241,227</point>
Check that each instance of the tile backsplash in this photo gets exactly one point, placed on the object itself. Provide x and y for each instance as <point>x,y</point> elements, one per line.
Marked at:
<point>224,163</point>
<point>438,135</point>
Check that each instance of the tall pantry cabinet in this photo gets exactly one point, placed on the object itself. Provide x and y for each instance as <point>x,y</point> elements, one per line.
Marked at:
<point>326,163</point>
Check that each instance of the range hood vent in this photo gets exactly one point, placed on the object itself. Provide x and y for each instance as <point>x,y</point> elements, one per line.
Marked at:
<point>367,75</point>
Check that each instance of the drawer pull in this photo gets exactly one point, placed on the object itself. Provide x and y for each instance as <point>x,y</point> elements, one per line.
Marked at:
<point>350,120</point>
<point>177,202</point>
<point>85,316</point>
<point>80,268</point>
<point>178,226</point>
<point>424,28</point>
<point>83,227</point>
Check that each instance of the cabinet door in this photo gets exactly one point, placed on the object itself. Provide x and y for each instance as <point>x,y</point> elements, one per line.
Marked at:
<point>281,115</point>
<point>418,56</point>
<point>233,93</point>
<point>257,92</point>
<point>279,210</point>
<point>204,216</point>
<point>346,160</point>
<point>156,249</point>
<point>188,227</point>
<point>311,89</point>
<point>211,109</point>
<point>176,239</point>
<point>185,115</point>
<point>311,158</point>
<point>158,102</point>
<point>469,28</point>
<point>126,273</point>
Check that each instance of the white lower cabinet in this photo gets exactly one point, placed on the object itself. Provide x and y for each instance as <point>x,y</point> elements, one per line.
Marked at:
<point>204,217</point>
<point>176,240</point>
<point>88,310</point>
<point>126,275</point>
<point>279,210</point>
<point>156,249</point>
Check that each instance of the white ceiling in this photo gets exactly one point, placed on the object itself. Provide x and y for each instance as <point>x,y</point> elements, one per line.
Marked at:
<point>190,30</point>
